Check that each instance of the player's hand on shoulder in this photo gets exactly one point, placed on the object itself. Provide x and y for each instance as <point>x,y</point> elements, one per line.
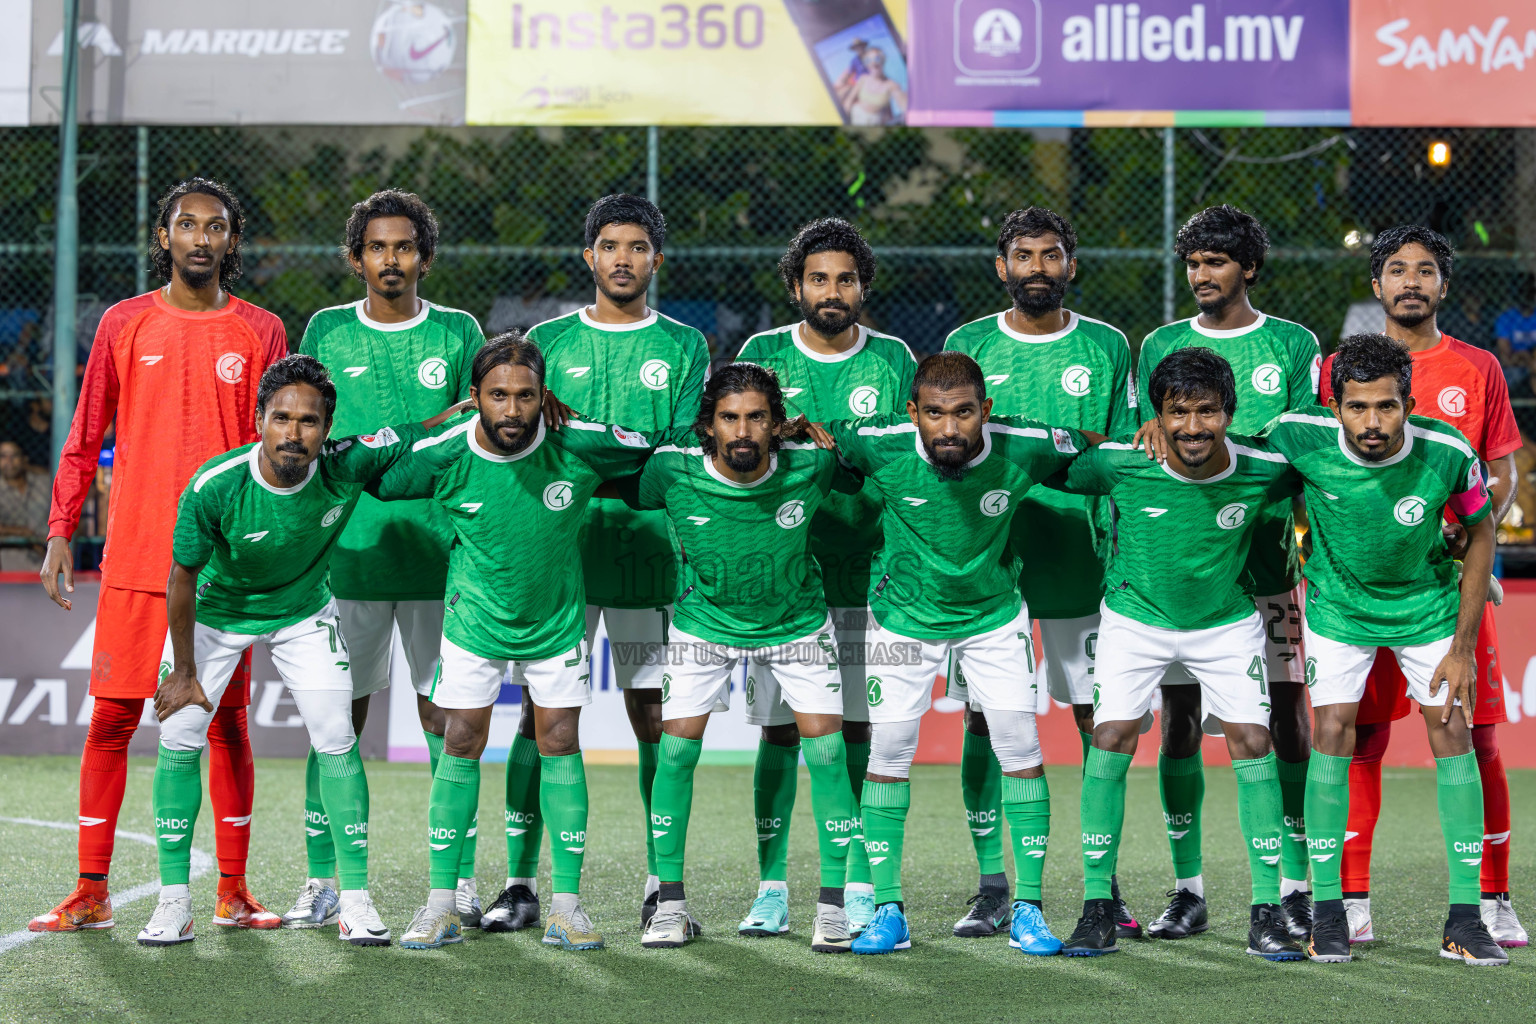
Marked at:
<point>556,413</point>
<point>1094,439</point>
<point>800,428</point>
<point>177,690</point>
<point>1156,444</point>
<point>448,414</point>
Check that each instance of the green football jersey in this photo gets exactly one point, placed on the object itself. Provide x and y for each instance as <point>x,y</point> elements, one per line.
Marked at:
<point>1380,573</point>
<point>647,375</point>
<point>1180,544</point>
<point>263,551</point>
<point>1275,364</point>
<point>1079,377</point>
<point>874,376</point>
<point>946,570</point>
<point>515,586</point>
<point>393,373</point>
<point>748,576</point>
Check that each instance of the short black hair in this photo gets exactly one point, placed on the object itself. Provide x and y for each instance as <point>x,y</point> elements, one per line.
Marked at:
<point>1391,240</point>
<point>623,208</point>
<point>830,234</point>
<point>1225,229</point>
<point>229,266</point>
<point>1364,358</point>
<point>393,202</point>
<point>296,369</point>
<point>949,371</point>
<point>1032,222</point>
<point>509,348</point>
<point>733,379</point>
<point>1193,371</point>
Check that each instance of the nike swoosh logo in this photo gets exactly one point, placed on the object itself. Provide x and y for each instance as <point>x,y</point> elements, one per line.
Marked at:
<point>378,931</point>
<point>418,54</point>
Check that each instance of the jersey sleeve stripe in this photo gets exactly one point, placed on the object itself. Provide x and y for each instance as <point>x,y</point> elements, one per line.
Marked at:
<point>998,428</point>
<point>1316,421</point>
<point>896,428</point>
<point>678,450</point>
<point>1254,453</point>
<point>215,471</point>
<point>1117,446</point>
<point>1435,435</point>
<point>587,425</point>
<point>428,442</point>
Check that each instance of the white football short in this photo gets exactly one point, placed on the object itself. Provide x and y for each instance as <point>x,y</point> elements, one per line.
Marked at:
<point>764,696</point>
<point>1283,616</point>
<point>370,628</point>
<point>637,641</point>
<point>1067,649</point>
<point>698,674</point>
<point>1338,671</point>
<point>466,680</point>
<point>994,670</point>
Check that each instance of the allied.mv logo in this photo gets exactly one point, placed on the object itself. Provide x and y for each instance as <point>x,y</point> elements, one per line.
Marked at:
<point>994,503</point>
<point>864,401</point>
<point>654,374</point>
<point>1409,511</point>
<point>1231,516</point>
<point>1267,379</point>
<point>1075,380</point>
<point>559,495</point>
<point>791,514</point>
<point>433,373</point>
<point>230,367</point>
<point>1453,401</point>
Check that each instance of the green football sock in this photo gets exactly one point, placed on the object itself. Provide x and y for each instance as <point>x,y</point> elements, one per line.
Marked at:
<point>832,805</point>
<point>177,795</point>
<point>671,803</point>
<point>1459,792</point>
<point>344,791</point>
<point>525,829</point>
<point>451,810</point>
<point>773,804</point>
<point>563,803</point>
<point>1181,780</point>
<point>1260,817</point>
<point>1027,806</point>
<point>650,755</point>
<point>1103,815</point>
<point>858,857</point>
<point>1327,814</point>
<point>470,841</point>
<point>318,846</point>
<point>1293,836</point>
<point>981,789</point>
<point>884,809</point>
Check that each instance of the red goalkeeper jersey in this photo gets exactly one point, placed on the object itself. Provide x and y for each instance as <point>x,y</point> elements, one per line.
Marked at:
<point>183,389</point>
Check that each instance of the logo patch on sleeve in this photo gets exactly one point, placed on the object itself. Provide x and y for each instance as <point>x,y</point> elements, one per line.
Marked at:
<point>1063,441</point>
<point>630,438</point>
<point>383,439</point>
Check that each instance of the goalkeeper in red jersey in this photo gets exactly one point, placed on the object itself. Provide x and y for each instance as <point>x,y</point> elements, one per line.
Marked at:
<point>186,356</point>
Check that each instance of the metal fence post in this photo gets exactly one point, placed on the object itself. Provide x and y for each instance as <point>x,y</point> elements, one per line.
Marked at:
<point>141,213</point>
<point>66,241</point>
<point>653,193</point>
<point>1169,262</point>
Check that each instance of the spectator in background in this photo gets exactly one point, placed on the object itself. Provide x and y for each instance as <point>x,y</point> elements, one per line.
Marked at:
<point>1364,316</point>
<point>35,430</point>
<point>25,493</point>
<point>1468,321</point>
<point>1516,331</point>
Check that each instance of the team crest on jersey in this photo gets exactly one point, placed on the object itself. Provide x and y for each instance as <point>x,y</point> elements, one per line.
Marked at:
<point>655,373</point>
<point>433,373</point>
<point>1231,516</point>
<point>1453,401</point>
<point>994,503</point>
<point>630,438</point>
<point>333,515</point>
<point>791,514</point>
<point>1076,380</point>
<point>559,495</point>
<point>230,367</point>
<point>1063,441</point>
<point>383,439</point>
<point>1410,510</point>
<point>864,401</point>
<point>1267,379</point>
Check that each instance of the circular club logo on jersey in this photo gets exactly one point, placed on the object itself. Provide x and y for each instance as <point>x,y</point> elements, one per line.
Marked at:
<point>1409,511</point>
<point>230,367</point>
<point>1267,379</point>
<point>791,514</point>
<point>1231,516</point>
<point>1075,380</point>
<point>1453,401</point>
<point>864,401</point>
<point>994,503</point>
<point>559,495</point>
<point>433,373</point>
<point>654,374</point>
<point>333,515</point>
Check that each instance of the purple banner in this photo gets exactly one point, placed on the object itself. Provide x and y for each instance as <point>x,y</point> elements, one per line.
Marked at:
<point>1171,55</point>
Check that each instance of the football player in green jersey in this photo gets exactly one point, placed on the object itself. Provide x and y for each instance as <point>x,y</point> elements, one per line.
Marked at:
<point>254,534</point>
<point>619,361</point>
<point>1174,594</point>
<point>514,491</point>
<point>945,596</point>
<point>829,367</point>
<point>1380,575</point>
<point>1275,364</point>
<point>1057,366</point>
<point>740,504</point>
<point>397,357</point>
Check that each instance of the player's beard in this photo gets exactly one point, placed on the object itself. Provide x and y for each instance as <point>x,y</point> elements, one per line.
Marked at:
<point>392,286</point>
<point>832,318</point>
<point>626,294</point>
<point>1377,455</point>
<point>289,473</point>
<point>1213,303</point>
<point>1032,302</point>
<point>743,456</point>
<point>491,429</point>
<point>949,461</point>
<point>197,279</point>
<point>1412,320</point>
<point>1195,463</point>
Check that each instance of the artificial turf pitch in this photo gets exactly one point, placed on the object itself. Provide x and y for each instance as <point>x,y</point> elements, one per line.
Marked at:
<point>286,975</point>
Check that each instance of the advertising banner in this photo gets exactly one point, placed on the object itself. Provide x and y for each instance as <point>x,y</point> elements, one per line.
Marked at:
<point>604,62</point>
<point>1048,62</point>
<point>1427,62</point>
<point>256,62</point>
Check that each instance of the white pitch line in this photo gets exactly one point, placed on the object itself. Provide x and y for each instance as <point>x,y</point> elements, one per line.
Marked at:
<point>201,865</point>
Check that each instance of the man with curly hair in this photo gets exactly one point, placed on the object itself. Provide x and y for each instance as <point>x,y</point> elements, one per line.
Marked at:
<point>395,357</point>
<point>188,354</point>
<point>1276,365</point>
<point>830,367</point>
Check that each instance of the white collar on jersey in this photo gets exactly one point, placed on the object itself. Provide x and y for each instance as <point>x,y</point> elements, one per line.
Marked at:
<point>1402,453</point>
<point>490,456</point>
<point>986,447</point>
<point>1231,468</point>
<point>1236,332</point>
<point>650,318</point>
<point>295,489</point>
<point>824,357</point>
<point>1036,339</point>
<point>709,467</point>
<point>404,325</point>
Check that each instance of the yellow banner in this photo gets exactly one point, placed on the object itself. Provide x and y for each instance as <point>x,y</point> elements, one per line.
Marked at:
<point>601,62</point>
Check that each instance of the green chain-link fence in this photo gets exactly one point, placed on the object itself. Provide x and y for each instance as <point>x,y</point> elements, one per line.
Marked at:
<point>511,202</point>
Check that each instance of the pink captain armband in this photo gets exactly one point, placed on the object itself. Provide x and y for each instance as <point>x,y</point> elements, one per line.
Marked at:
<point>1469,501</point>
